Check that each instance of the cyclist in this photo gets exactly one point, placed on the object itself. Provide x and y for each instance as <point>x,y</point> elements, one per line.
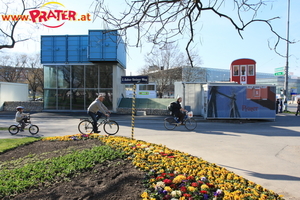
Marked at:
<point>21,117</point>
<point>177,110</point>
<point>95,110</point>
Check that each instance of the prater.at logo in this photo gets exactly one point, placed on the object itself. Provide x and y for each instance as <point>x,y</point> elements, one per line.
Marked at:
<point>54,18</point>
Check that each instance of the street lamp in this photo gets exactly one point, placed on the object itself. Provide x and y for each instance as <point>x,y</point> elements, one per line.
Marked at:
<point>286,77</point>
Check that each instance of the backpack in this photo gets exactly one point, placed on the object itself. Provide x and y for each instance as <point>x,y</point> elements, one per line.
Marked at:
<point>170,107</point>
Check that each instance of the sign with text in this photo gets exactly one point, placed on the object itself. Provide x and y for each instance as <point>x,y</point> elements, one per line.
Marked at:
<point>279,69</point>
<point>134,80</point>
<point>279,73</point>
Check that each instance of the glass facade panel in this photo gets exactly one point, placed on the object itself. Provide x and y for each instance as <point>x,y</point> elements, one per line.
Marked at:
<point>78,99</point>
<point>64,99</point>
<point>77,76</point>
<point>63,76</point>
<point>49,99</point>
<point>74,87</point>
<point>90,96</point>
<point>50,76</point>
<point>91,76</point>
<point>106,75</point>
<point>146,87</point>
<point>108,98</point>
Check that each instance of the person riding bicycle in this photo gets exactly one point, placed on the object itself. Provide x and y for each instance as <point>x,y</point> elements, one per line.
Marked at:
<point>177,110</point>
<point>21,117</point>
<point>95,110</point>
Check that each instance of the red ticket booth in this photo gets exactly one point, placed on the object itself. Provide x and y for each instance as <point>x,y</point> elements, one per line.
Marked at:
<point>243,71</point>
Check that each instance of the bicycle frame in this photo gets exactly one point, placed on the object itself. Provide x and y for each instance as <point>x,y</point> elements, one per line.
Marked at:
<point>110,127</point>
<point>15,128</point>
<point>170,123</point>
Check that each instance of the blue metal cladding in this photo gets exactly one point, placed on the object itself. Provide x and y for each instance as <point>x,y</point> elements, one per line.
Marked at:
<point>99,45</point>
<point>103,45</point>
<point>53,49</point>
<point>121,52</point>
<point>106,45</point>
<point>77,49</point>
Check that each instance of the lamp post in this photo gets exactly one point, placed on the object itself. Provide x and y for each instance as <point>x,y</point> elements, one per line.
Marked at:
<point>286,77</point>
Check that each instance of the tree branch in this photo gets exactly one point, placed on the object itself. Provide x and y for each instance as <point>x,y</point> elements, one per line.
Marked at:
<point>160,21</point>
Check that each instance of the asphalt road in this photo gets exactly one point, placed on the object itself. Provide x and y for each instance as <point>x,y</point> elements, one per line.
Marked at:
<point>266,152</point>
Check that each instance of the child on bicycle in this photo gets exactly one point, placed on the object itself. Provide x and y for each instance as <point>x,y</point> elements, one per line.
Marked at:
<point>21,117</point>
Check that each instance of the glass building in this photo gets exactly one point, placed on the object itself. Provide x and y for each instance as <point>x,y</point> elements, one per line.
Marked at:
<point>79,68</point>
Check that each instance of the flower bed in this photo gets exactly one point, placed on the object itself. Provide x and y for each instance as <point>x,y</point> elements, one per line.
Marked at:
<point>171,174</point>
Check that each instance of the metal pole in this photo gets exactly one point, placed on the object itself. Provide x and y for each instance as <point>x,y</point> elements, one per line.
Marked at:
<point>133,112</point>
<point>286,78</point>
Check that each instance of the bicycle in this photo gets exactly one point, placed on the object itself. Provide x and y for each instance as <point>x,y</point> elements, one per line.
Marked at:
<point>15,128</point>
<point>189,123</point>
<point>110,127</point>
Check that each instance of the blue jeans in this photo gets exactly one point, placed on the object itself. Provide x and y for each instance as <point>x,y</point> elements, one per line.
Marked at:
<point>95,117</point>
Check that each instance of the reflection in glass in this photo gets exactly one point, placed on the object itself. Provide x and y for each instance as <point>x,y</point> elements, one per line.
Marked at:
<point>250,70</point>
<point>77,76</point>
<point>49,99</point>
<point>108,98</point>
<point>78,99</point>
<point>75,87</point>
<point>49,76</point>
<point>106,75</point>
<point>146,87</point>
<point>243,70</point>
<point>90,96</point>
<point>236,70</point>
<point>64,99</point>
<point>63,76</point>
<point>91,77</point>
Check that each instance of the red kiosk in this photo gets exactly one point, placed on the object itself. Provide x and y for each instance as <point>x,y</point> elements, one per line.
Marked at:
<point>242,71</point>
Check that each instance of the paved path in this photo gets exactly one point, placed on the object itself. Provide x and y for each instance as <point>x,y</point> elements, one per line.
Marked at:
<point>266,152</point>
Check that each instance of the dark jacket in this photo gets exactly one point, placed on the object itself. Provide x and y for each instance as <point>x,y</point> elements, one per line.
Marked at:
<point>176,106</point>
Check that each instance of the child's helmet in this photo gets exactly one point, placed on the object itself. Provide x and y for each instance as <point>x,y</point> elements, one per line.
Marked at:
<point>19,108</point>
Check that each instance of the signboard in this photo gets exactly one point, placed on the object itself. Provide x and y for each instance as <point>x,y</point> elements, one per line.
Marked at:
<point>134,80</point>
<point>293,91</point>
<point>279,73</point>
<point>241,102</point>
<point>279,69</point>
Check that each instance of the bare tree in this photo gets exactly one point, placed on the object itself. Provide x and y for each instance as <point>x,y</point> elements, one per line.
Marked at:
<point>22,68</point>
<point>33,72</point>
<point>167,57</point>
<point>165,66</point>
<point>161,21</point>
<point>12,13</point>
<point>11,68</point>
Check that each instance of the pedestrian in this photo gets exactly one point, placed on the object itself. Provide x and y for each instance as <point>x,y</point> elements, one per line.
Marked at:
<point>277,105</point>
<point>298,107</point>
<point>96,110</point>
<point>281,106</point>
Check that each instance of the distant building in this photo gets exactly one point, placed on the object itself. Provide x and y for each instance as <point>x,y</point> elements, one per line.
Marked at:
<point>13,92</point>
<point>214,75</point>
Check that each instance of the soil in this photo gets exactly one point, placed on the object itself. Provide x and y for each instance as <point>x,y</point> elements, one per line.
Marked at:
<point>114,180</point>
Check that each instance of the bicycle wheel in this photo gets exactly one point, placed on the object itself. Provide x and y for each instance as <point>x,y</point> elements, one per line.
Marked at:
<point>190,124</point>
<point>170,123</point>
<point>33,129</point>
<point>13,129</point>
<point>85,127</point>
<point>111,127</point>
